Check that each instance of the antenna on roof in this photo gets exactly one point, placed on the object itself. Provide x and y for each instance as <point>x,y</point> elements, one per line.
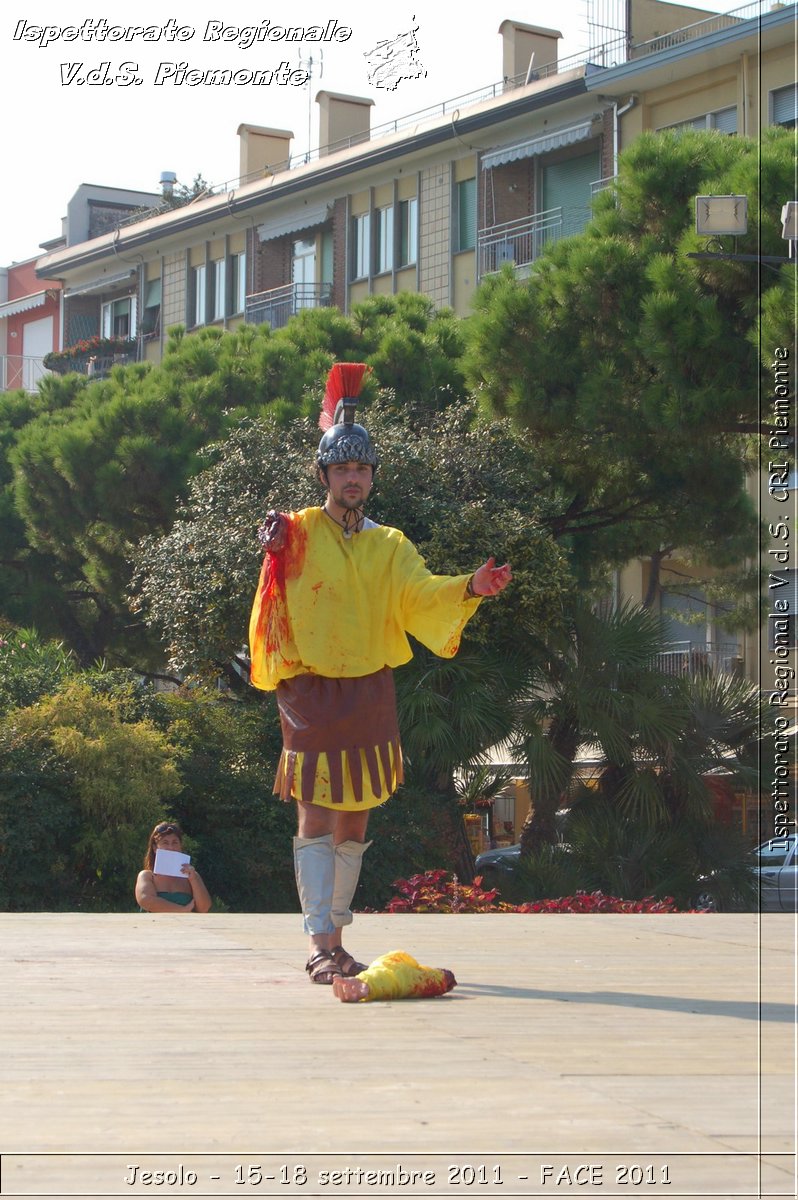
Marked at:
<point>311,64</point>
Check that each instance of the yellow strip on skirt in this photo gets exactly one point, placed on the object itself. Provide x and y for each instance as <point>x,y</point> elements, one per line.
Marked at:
<point>321,787</point>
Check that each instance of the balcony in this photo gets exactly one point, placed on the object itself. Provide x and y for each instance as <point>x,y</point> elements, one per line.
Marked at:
<point>522,241</point>
<point>693,659</point>
<point>21,371</point>
<point>276,306</point>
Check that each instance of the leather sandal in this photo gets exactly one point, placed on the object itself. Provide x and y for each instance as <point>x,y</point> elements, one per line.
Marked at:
<point>347,965</point>
<point>322,968</point>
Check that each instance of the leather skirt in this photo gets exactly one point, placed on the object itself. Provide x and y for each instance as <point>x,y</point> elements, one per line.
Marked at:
<point>341,744</point>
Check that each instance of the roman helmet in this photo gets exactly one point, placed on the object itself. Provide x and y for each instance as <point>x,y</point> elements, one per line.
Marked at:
<point>343,441</point>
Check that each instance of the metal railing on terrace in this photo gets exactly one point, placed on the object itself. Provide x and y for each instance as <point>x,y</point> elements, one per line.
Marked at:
<point>611,53</point>
<point>601,185</point>
<point>276,306</point>
<point>694,658</point>
<point>713,24</point>
<point>522,241</point>
<point>21,371</point>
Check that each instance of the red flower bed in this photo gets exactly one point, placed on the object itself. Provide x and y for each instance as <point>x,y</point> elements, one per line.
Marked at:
<point>437,892</point>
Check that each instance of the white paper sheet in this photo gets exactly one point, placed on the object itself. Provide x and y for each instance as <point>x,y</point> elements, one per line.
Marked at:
<point>169,862</point>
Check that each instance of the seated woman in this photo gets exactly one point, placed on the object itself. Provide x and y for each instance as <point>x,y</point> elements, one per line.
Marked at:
<point>169,893</point>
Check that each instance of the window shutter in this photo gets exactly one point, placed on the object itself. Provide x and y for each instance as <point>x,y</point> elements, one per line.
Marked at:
<point>467,214</point>
<point>785,105</point>
<point>566,185</point>
<point>725,121</point>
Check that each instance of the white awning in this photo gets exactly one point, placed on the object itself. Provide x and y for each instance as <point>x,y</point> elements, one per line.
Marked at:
<point>98,285</point>
<point>552,140</point>
<point>315,214</point>
<point>12,307</point>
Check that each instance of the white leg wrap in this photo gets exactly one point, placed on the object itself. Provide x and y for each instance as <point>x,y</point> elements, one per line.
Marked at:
<point>348,861</point>
<point>314,867</point>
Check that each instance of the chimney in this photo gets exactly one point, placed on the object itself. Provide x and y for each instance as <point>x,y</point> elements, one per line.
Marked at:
<point>520,42</point>
<point>343,121</point>
<point>262,150</point>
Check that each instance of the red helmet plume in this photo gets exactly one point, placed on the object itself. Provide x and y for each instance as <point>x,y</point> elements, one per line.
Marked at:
<point>343,382</point>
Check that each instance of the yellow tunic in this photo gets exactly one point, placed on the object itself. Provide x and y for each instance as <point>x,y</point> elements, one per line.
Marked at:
<point>342,608</point>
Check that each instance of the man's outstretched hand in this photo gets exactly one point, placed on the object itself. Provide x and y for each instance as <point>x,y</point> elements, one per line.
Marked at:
<point>272,533</point>
<point>489,580</point>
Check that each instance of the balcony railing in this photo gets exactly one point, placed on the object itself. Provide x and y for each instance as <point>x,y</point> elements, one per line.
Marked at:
<point>276,306</point>
<point>601,185</point>
<point>20,371</point>
<point>694,658</point>
<point>521,242</point>
<point>95,366</point>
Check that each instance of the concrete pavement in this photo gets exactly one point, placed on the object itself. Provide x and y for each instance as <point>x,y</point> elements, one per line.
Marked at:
<point>580,1055</point>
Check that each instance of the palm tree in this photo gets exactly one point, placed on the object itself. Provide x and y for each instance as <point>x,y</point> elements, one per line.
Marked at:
<point>451,712</point>
<point>657,735</point>
<point>597,686</point>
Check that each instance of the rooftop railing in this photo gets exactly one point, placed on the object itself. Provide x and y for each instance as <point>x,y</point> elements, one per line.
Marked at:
<point>699,29</point>
<point>611,53</point>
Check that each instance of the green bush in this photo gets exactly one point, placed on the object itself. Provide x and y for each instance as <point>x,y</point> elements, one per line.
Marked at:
<point>111,778</point>
<point>39,824</point>
<point>30,667</point>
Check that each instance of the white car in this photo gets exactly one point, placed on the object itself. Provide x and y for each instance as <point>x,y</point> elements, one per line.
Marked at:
<point>775,862</point>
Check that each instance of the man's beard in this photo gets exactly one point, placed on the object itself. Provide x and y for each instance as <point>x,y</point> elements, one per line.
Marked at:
<point>350,502</point>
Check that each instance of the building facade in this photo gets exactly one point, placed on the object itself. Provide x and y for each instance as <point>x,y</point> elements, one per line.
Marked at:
<point>30,311</point>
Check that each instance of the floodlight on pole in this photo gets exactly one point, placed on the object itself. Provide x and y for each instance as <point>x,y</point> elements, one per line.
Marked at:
<point>716,215</point>
<point>789,221</point>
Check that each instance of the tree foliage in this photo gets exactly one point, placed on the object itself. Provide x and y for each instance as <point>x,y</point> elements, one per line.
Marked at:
<point>458,492</point>
<point>87,770</point>
<point>657,735</point>
<point>113,779</point>
<point>87,468</point>
<point>630,367</point>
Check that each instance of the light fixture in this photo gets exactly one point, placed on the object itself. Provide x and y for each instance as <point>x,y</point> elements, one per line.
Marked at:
<point>789,221</point>
<point>721,214</point>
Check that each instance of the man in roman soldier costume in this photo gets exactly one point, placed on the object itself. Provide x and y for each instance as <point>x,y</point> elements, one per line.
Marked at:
<point>337,596</point>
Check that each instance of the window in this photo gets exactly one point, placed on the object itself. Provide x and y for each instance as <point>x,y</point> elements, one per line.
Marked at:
<point>466,215</point>
<point>361,238</point>
<point>198,296</point>
<point>151,317</point>
<point>775,852</point>
<point>218,289</point>
<point>118,318</point>
<point>303,272</point>
<point>408,232</point>
<point>384,247</point>
<point>724,120</point>
<point>784,106</point>
<point>238,283</point>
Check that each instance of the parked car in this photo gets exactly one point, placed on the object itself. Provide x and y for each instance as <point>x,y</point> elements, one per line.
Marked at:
<point>774,863</point>
<point>501,861</point>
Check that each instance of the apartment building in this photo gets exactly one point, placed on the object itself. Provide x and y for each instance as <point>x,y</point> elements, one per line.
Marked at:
<point>33,306</point>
